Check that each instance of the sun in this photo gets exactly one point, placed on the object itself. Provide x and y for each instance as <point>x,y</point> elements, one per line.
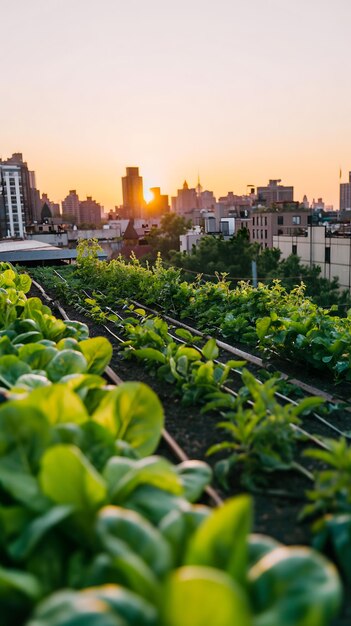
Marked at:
<point>148,195</point>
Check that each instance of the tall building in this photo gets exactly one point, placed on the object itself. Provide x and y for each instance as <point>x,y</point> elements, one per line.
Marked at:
<point>158,206</point>
<point>25,203</point>
<point>89,212</point>
<point>274,193</point>
<point>207,200</point>
<point>53,206</point>
<point>70,206</point>
<point>186,200</point>
<point>133,194</point>
<point>35,196</point>
<point>12,208</point>
<point>345,195</point>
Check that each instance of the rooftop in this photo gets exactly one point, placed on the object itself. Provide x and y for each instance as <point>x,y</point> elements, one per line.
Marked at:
<point>23,250</point>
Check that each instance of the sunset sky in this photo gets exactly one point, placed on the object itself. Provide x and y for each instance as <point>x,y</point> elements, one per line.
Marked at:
<point>238,90</point>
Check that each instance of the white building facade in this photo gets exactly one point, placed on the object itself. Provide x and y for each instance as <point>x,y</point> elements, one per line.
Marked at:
<point>332,252</point>
<point>12,215</point>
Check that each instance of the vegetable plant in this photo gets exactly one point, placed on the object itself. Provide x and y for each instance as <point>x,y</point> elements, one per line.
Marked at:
<point>96,529</point>
<point>260,430</point>
<point>329,504</point>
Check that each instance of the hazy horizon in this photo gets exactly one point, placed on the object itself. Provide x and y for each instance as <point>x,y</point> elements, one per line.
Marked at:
<point>238,92</point>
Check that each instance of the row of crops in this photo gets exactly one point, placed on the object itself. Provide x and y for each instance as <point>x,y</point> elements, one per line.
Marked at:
<point>260,435</point>
<point>96,530</point>
<point>276,321</point>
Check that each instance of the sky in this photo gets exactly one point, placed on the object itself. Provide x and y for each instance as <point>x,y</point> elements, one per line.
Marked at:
<point>236,91</point>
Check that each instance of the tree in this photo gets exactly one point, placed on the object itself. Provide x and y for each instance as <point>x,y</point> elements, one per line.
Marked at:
<point>166,237</point>
<point>267,261</point>
<point>218,255</point>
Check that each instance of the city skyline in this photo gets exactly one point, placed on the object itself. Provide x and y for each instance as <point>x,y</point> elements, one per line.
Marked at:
<point>148,192</point>
<point>239,92</point>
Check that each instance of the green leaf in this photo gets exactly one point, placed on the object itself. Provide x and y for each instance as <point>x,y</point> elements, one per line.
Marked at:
<point>153,470</point>
<point>59,404</point>
<point>22,486</point>
<point>295,587</point>
<point>150,354</point>
<point>191,353</point>
<point>66,362</point>
<point>179,525</point>
<point>339,531</point>
<point>78,330</point>
<point>24,433</point>
<point>24,282</point>
<point>155,504</point>
<point>109,605</point>
<point>15,580</point>
<point>74,608</point>
<point>133,609</point>
<point>28,338</point>
<point>6,346</point>
<point>201,596</point>
<point>210,350</point>
<point>13,520</point>
<point>11,368</point>
<point>308,405</point>
<point>67,477</point>
<point>259,546</point>
<point>132,412</point>
<point>68,343</point>
<point>115,470</point>
<point>262,327</point>
<point>221,541</point>
<point>127,570</point>
<point>36,530</point>
<point>122,532</point>
<point>31,381</point>
<point>183,365</point>
<point>195,476</point>
<point>98,353</point>
<point>184,334</point>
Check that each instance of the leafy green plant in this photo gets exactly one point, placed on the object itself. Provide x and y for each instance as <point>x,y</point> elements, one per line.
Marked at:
<point>261,435</point>
<point>330,503</point>
<point>95,531</point>
<point>257,582</point>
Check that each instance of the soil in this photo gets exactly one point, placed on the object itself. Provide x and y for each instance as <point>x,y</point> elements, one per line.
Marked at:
<point>274,515</point>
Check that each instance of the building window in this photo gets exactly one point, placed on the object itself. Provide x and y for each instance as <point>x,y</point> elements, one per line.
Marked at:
<point>253,234</point>
<point>294,248</point>
<point>327,255</point>
<point>261,234</point>
<point>280,220</point>
<point>225,228</point>
<point>265,221</point>
<point>296,219</point>
<point>253,221</point>
<point>265,234</point>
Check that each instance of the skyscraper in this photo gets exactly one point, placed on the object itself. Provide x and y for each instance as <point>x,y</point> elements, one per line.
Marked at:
<point>345,195</point>
<point>89,212</point>
<point>186,200</point>
<point>70,206</point>
<point>158,206</point>
<point>133,195</point>
<point>17,204</point>
<point>12,213</point>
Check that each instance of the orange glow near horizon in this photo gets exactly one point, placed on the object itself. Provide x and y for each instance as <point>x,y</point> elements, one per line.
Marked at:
<point>247,107</point>
<point>148,195</point>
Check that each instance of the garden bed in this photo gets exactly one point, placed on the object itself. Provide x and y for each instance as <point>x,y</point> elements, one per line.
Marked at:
<point>195,433</point>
